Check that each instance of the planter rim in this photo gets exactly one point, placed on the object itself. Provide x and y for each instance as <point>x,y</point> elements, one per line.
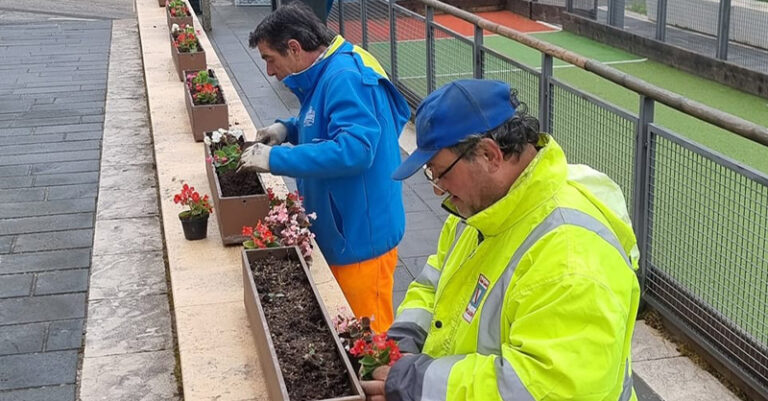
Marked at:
<point>189,93</point>
<point>216,176</point>
<point>270,344</point>
<point>168,10</point>
<point>201,217</point>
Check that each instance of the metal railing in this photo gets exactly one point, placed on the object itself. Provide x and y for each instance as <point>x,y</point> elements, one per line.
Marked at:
<point>701,219</point>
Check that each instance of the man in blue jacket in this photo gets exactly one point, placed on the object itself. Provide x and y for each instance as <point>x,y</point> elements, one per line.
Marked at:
<point>345,151</point>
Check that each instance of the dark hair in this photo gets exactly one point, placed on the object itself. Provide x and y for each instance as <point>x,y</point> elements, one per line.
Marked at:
<point>292,21</point>
<point>511,136</point>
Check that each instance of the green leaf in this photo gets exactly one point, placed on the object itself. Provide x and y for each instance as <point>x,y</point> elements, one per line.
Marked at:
<point>368,360</point>
<point>366,372</point>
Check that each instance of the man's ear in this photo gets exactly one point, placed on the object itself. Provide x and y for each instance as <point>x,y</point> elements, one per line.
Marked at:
<point>491,154</point>
<point>294,47</point>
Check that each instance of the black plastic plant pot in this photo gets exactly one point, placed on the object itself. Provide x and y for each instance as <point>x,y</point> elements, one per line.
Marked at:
<point>195,228</point>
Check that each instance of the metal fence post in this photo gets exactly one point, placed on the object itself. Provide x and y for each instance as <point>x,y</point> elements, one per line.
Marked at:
<point>661,20</point>
<point>723,29</point>
<point>430,44</point>
<point>545,93</point>
<point>341,17</point>
<point>392,42</point>
<point>364,22</point>
<point>478,65</point>
<point>616,13</point>
<point>642,180</point>
<point>205,18</point>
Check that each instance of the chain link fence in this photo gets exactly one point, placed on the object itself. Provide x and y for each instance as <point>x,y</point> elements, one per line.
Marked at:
<point>701,219</point>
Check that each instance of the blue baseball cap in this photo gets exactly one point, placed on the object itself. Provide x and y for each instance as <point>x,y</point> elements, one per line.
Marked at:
<point>452,113</point>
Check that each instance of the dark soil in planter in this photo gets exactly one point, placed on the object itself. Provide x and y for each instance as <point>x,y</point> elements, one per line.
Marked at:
<point>305,348</point>
<point>240,184</point>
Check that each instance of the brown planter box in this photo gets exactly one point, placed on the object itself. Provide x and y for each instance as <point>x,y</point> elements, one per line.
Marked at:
<point>177,20</point>
<point>273,376</point>
<point>187,61</point>
<point>205,117</point>
<point>234,212</point>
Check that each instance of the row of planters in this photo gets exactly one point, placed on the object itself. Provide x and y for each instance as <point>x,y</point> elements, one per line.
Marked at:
<point>303,352</point>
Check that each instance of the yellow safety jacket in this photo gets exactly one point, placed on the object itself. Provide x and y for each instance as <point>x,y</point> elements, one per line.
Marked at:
<point>533,298</point>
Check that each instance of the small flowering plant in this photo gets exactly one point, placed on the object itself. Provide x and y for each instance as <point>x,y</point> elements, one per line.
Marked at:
<point>379,351</point>
<point>177,8</point>
<point>198,206</point>
<point>369,349</point>
<point>288,222</point>
<point>204,88</point>
<point>351,329</point>
<point>226,147</point>
<point>259,237</point>
<point>185,38</point>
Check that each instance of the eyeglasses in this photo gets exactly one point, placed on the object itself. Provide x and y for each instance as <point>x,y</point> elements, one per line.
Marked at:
<point>431,176</point>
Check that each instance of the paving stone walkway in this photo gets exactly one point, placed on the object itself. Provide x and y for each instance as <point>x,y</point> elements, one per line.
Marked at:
<point>51,116</point>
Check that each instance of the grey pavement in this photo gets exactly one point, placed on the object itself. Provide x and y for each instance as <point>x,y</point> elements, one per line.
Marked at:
<point>51,112</point>
<point>80,317</point>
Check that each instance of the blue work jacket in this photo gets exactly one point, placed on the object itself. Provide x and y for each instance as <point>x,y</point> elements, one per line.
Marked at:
<point>346,137</point>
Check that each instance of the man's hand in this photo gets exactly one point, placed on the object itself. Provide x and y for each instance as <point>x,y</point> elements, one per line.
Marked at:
<point>275,134</point>
<point>256,158</point>
<point>374,389</point>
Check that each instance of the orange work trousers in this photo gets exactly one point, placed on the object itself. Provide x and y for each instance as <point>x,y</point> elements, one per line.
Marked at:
<point>368,285</point>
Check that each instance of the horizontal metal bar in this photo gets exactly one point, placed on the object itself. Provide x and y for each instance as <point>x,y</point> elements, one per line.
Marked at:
<point>455,34</point>
<point>701,111</point>
<point>400,9</point>
<point>597,101</point>
<point>523,67</point>
<point>710,154</point>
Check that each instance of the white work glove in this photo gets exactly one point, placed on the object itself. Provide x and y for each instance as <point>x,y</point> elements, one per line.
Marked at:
<point>275,134</point>
<point>255,157</point>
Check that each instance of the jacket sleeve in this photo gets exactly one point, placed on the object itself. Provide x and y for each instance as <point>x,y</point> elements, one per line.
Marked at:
<point>293,132</point>
<point>353,134</point>
<point>414,316</point>
<point>566,342</point>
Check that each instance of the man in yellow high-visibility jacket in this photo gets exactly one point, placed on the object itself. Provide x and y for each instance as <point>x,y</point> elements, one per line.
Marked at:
<point>532,294</point>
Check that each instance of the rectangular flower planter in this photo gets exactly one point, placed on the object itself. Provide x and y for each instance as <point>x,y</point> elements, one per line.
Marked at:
<point>205,117</point>
<point>270,364</point>
<point>187,61</point>
<point>234,212</point>
<point>177,20</point>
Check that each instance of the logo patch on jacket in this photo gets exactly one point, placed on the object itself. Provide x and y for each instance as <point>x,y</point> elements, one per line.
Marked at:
<point>309,119</point>
<point>477,296</point>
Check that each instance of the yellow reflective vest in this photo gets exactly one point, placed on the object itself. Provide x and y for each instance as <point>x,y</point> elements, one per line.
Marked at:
<point>533,298</point>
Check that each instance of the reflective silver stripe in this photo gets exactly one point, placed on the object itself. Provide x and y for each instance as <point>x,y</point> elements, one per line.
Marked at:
<point>435,385</point>
<point>422,318</point>
<point>429,276</point>
<point>511,388</point>
<point>489,329</point>
<point>626,387</point>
